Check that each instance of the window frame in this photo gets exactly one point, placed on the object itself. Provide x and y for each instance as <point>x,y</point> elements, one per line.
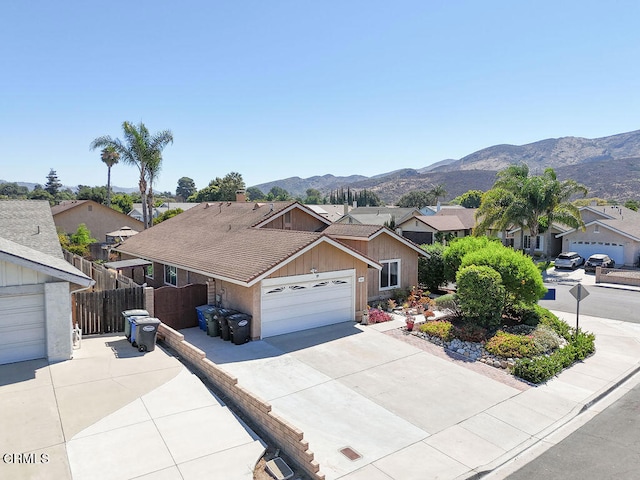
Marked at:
<point>169,269</point>
<point>539,243</point>
<point>387,264</point>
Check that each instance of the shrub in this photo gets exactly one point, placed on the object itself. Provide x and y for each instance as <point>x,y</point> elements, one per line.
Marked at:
<point>447,302</point>
<point>521,279</point>
<point>510,345</point>
<point>545,339</point>
<point>439,328</point>
<point>378,316</point>
<point>470,332</point>
<point>431,269</point>
<point>549,319</point>
<point>480,295</point>
<point>457,249</point>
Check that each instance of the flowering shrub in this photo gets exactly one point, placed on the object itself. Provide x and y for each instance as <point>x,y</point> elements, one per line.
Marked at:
<point>510,345</point>
<point>378,316</point>
<point>439,328</point>
<point>418,298</point>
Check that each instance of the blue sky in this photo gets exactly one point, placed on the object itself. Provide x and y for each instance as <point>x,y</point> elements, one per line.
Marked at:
<point>274,89</point>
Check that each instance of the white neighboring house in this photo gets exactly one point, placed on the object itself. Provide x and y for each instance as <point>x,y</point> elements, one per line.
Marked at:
<point>35,285</point>
<point>612,230</point>
<point>136,212</point>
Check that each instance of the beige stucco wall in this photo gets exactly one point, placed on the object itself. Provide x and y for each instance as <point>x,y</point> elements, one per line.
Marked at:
<point>99,219</point>
<point>631,247</point>
<point>57,304</point>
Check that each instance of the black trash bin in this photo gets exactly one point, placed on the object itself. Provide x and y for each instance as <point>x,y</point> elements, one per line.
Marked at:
<point>240,328</point>
<point>146,330</point>
<point>213,327</point>
<point>221,317</point>
<point>128,314</point>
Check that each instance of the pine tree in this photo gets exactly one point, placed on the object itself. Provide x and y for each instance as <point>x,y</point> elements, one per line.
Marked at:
<point>53,185</point>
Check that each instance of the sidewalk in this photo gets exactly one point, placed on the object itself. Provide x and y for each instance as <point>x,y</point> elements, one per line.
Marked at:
<point>115,413</point>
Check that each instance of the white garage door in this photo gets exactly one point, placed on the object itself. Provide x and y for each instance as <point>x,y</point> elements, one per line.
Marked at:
<point>22,327</point>
<point>291,304</point>
<point>586,249</point>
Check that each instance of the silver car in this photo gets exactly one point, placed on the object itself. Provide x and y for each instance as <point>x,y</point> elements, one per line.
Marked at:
<point>568,260</point>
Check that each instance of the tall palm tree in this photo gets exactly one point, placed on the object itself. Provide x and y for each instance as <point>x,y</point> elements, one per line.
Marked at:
<point>438,191</point>
<point>110,157</point>
<point>519,199</point>
<point>141,149</point>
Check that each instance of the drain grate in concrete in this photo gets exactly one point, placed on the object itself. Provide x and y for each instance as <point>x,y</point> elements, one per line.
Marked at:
<point>350,453</point>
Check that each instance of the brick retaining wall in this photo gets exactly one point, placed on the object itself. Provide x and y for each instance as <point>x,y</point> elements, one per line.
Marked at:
<point>620,277</point>
<point>289,438</point>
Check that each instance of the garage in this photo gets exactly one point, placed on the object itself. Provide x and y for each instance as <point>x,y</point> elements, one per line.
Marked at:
<point>586,249</point>
<point>22,325</point>
<point>291,304</point>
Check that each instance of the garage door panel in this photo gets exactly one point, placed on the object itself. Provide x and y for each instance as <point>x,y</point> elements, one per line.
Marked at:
<point>585,250</point>
<point>22,327</point>
<point>303,304</point>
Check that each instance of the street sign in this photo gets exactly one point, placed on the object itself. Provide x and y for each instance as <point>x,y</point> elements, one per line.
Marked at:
<point>579,292</point>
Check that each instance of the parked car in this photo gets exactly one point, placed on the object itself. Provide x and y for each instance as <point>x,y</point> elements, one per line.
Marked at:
<point>568,260</point>
<point>598,260</point>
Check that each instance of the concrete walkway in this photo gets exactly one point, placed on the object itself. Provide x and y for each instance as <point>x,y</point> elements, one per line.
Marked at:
<point>410,414</point>
<point>115,413</point>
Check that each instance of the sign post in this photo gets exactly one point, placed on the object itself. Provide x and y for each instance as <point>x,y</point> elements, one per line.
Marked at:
<point>579,293</point>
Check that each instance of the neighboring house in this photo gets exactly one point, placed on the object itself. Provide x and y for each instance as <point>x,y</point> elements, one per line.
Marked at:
<point>612,230</point>
<point>271,260</point>
<point>35,285</point>
<point>421,229</point>
<point>397,255</point>
<point>547,244</point>
<point>136,212</point>
<point>99,219</point>
<point>378,215</point>
<point>331,212</point>
<point>433,209</point>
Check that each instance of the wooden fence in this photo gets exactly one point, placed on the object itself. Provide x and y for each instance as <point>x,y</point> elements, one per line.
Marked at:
<point>101,312</point>
<point>105,279</point>
<point>176,307</point>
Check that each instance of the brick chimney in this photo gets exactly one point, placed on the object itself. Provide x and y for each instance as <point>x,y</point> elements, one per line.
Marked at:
<point>241,195</point>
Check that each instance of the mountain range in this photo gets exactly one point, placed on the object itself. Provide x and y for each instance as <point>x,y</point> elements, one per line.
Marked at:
<point>608,166</point>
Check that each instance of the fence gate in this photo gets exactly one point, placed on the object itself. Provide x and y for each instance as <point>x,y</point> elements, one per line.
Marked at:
<point>176,307</point>
<point>101,312</point>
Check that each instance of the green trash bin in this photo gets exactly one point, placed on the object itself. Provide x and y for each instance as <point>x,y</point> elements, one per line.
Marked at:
<point>213,327</point>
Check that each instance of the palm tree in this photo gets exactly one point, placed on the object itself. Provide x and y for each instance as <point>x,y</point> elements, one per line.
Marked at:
<point>110,157</point>
<point>437,192</point>
<point>518,199</point>
<point>141,149</point>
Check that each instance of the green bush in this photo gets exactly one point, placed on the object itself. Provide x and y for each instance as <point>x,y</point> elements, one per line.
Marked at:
<point>510,345</point>
<point>521,279</point>
<point>470,332</point>
<point>447,302</point>
<point>457,249</point>
<point>431,269</point>
<point>439,328</point>
<point>549,319</point>
<point>480,295</point>
<point>546,340</point>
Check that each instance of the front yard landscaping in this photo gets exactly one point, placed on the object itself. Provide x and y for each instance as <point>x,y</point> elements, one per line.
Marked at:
<point>493,316</point>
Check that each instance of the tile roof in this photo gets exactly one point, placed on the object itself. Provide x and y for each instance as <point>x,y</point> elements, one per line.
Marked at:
<point>217,239</point>
<point>467,216</point>
<point>442,223</point>
<point>352,230</point>
<point>379,215</point>
<point>66,205</point>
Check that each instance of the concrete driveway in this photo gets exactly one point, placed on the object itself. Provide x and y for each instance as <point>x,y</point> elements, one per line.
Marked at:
<point>406,412</point>
<point>113,413</point>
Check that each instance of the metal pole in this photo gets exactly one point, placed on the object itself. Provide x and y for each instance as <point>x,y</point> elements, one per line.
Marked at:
<point>578,307</point>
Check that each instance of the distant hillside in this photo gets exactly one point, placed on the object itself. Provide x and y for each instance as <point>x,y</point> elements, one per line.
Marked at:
<point>608,166</point>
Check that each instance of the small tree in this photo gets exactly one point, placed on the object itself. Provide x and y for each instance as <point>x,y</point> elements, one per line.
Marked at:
<point>417,199</point>
<point>79,242</point>
<point>480,295</point>
<point>186,187</point>
<point>167,215</point>
<point>431,269</point>
<point>457,249</point>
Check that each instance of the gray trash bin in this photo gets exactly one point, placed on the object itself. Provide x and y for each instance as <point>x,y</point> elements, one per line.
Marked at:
<point>213,327</point>
<point>146,330</point>
<point>221,316</point>
<point>127,314</point>
<point>240,328</point>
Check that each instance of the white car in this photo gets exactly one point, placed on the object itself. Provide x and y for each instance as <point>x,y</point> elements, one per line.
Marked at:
<point>568,260</point>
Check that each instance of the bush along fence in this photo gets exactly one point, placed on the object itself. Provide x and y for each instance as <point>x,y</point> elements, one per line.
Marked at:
<point>289,438</point>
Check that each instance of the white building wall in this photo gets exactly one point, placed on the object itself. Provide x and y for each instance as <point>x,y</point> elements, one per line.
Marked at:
<point>57,305</point>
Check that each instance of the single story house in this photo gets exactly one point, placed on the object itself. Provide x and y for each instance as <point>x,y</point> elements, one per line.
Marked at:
<point>331,212</point>
<point>274,261</point>
<point>421,229</point>
<point>35,285</point>
<point>612,230</point>
<point>378,215</point>
<point>99,219</point>
<point>547,244</point>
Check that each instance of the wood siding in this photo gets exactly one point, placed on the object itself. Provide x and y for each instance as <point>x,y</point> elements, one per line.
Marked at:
<point>384,247</point>
<point>299,220</point>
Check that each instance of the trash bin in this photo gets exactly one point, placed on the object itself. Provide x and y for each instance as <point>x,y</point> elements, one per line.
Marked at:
<point>202,320</point>
<point>221,317</point>
<point>127,314</point>
<point>213,327</point>
<point>240,328</point>
<point>146,329</point>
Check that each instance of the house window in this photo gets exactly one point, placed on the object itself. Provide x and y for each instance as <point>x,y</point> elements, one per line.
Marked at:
<point>390,274</point>
<point>149,271</point>
<point>539,242</point>
<point>596,229</point>
<point>171,275</point>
